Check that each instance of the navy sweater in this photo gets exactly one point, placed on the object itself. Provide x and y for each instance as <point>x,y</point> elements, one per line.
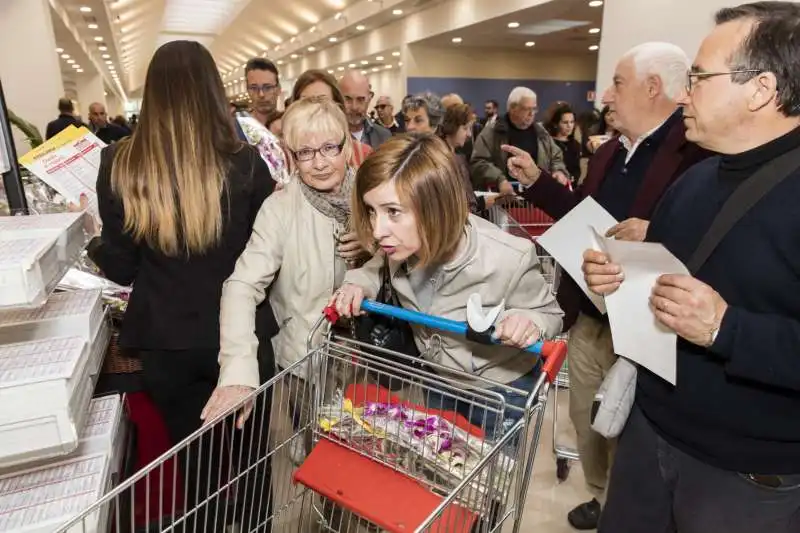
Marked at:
<point>736,405</point>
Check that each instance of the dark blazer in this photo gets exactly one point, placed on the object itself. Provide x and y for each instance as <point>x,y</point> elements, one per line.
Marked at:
<point>175,302</point>
<point>673,157</point>
<point>58,125</point>
<point>111,133</point>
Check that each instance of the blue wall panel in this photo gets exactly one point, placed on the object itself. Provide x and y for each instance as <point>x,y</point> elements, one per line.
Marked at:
<point>477,91</point>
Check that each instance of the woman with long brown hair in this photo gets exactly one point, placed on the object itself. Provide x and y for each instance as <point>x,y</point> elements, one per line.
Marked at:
<point>178,200</point>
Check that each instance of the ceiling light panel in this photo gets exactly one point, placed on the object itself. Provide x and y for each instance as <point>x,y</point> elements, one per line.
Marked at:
<point>550,26</point>
<point>199,16</point>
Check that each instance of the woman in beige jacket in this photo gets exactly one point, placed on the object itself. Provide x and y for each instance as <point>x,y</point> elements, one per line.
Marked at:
<point>409,201</point>
<point>301,232</point>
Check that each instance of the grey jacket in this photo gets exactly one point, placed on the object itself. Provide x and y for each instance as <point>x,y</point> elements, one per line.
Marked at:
<point>375,134</point>
<point>488,163</point>
<point>494,264</point>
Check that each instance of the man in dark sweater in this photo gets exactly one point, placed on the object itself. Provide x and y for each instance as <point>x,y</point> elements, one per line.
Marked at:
<point>66,118</point>
<point>720,451</point>
<point>106,131</point>
<point>627,176</point>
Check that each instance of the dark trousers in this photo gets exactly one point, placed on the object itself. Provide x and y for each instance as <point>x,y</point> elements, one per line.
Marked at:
<point>226,473</point>
<point>656,488</point>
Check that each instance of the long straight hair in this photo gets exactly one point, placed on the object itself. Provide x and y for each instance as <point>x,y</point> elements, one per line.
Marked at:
<point>171,173</point>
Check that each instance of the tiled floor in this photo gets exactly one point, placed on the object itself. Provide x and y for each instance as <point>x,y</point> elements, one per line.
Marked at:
<point>548,499</point>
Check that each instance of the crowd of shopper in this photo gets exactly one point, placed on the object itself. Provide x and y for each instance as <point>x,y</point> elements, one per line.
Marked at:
<point>229,277</point>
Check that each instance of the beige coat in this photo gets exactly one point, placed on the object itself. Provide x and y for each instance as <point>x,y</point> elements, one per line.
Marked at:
<point>499,267</point>
<point>291,237</point>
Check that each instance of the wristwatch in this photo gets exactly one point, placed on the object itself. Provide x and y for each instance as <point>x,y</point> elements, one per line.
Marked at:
<point>713,336</point>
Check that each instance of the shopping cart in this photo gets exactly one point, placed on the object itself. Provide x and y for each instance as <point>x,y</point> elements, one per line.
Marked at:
<point>521,218</point>
<point>421,454</point>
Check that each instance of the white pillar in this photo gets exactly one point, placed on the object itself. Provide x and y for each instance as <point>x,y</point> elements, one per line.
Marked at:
<point>681,22</point>
<point>90,89</point>
<point>113,106</point>
<point>29,65</point>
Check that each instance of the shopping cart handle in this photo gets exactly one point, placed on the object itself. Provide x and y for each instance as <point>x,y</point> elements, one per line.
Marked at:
<point>435,322</point>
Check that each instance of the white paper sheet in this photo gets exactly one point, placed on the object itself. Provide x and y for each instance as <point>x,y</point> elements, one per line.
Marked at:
<point>568,238</point>
<point>635,331</point>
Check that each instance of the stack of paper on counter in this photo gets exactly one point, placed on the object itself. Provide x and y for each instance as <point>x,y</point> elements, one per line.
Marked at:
<point>635,332</point>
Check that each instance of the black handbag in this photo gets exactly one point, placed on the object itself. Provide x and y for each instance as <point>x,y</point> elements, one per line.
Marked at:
<point>388,333</point>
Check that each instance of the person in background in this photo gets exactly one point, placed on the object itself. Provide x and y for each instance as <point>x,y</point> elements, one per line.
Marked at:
<point>66,118</point>
<point>423,112</point>
<point>517,128</point>
<point>454,130</point>
<point>274,123</point>
<point>399,117</point>
<point>386,117</point>
<point>120,121</point>
<point>439,255</point>
<point>628,177</point>
<point>355,88</point>
<point>560,124</point>
<point>451,99</point>
<point>178,200</point>
<point>490,109</point>
<point>304,233</point>
<point>106,131</point>
<point>604,131</point>
<point>319,84</point>
<point>465,149</point>
<point>263,86</point>
<point>720,449</point>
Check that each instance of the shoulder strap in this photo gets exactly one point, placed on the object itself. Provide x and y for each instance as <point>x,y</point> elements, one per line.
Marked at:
<point>741,201</point>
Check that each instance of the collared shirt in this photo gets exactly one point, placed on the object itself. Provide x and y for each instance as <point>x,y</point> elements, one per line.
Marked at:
<point>631,147</point>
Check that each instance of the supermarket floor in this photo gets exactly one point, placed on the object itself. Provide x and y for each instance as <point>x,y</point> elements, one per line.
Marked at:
<point>548,499</point>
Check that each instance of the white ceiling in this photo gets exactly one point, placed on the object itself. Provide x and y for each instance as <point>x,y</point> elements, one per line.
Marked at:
<point>562,26</point>
<point>284,30</point>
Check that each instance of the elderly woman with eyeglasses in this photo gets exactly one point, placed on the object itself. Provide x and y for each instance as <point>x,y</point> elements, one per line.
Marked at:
<point>303,232</point>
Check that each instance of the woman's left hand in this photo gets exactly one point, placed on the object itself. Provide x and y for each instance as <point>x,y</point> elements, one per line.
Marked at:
<point>518,331</point>
<point>223,398</point>
<point>350,248</point>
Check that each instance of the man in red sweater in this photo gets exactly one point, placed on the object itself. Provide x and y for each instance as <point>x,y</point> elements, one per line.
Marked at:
<point>627,176</point>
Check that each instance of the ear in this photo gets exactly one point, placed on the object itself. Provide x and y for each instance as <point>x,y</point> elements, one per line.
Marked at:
<point>765,91</point>
<point>655,85</point>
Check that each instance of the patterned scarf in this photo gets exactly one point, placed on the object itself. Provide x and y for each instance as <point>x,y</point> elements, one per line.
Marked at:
<point>335,206</point>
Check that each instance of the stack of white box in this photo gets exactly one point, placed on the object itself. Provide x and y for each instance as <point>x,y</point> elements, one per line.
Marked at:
<point>59,449</point>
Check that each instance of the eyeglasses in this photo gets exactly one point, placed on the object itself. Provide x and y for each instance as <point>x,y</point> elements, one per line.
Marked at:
<point>266,88</point>
<point>691,75</point>
<point>328,150</point>
<point>381,106</point>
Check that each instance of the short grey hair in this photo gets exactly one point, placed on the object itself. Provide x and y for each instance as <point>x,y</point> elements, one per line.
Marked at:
<point>665,60</point>
<point>428,101</point>
<point>518,94</point>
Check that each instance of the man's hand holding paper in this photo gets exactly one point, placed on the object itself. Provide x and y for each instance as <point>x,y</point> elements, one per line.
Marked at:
<point>689,307</point>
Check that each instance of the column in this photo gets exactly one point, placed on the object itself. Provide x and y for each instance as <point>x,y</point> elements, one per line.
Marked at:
<point>113,106</point>
<point>90,89</point>
<point>29,65</point>
<point>682,22</point>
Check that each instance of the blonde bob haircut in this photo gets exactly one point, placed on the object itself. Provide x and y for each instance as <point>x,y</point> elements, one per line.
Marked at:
<point>423,169</point>
<point>316,117</point>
